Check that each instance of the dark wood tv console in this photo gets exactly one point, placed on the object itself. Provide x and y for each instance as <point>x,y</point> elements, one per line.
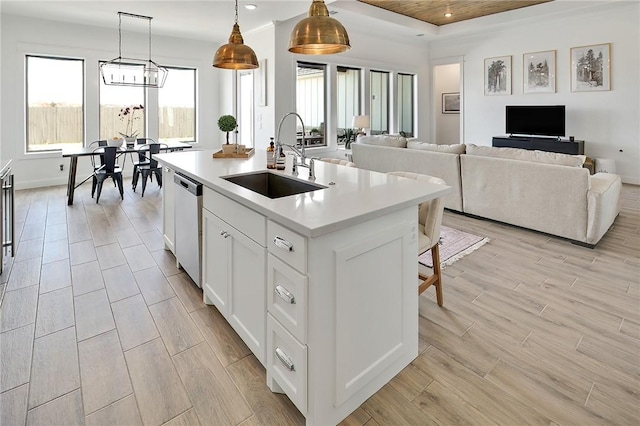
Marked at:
<point>541,144</point>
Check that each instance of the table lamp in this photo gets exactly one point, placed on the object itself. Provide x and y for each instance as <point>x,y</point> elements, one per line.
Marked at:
<point>360,122</point>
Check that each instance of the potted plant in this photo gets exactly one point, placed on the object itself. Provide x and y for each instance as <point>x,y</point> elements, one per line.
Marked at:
<point>349,136</point>
<point>128,115</point>
<point>227,123</point>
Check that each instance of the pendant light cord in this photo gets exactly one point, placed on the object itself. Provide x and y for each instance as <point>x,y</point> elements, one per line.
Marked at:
<point>236,11</point>
<point>148,18</point>
<point>119,34</point>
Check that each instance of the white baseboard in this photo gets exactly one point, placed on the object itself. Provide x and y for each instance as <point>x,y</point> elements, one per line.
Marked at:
<point>41,183</point>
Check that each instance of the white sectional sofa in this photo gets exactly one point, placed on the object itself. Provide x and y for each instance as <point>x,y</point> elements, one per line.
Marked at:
<point>382,154</point>
<point>543,191</point>
<point>539,190</point>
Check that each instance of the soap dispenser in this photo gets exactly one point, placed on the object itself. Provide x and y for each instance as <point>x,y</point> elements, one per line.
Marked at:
<point>271,155</point>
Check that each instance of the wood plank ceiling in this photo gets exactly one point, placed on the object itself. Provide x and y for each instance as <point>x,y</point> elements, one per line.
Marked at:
<point>433,11</point>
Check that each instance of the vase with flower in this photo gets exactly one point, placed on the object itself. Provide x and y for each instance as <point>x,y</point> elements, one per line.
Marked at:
<point>128,115</point>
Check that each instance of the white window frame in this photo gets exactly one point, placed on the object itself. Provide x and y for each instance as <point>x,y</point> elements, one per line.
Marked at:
<point>26,150</point>
<point>195,101</point>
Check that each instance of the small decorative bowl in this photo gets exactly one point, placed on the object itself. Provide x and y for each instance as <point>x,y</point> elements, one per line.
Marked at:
<point>115,142</point>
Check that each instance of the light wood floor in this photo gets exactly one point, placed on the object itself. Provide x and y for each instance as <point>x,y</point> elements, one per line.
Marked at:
<point>99,327</point>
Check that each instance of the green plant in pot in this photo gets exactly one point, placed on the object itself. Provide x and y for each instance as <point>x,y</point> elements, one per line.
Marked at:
<point>349,136</point>
<point>227,123</point>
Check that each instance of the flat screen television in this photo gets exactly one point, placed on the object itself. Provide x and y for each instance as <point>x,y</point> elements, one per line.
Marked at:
<point>538,120</point>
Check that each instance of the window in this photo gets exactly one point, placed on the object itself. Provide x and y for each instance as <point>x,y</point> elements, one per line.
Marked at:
<point>405,104</point>
<point>348,100</point>
<point>55,103</point>
<point>379,102</point>
<point>310,101</point>
<point>112,100</point>
<point>177,106</point>
<point>245,108</point>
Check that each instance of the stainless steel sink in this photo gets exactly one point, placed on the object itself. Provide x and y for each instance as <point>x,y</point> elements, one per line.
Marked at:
<point>272,185</point>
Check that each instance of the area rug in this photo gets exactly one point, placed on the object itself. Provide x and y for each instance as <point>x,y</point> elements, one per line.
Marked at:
<point>454,245</point>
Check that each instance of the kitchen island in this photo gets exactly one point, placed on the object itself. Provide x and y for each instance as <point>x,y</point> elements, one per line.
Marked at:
<point>322,285</point>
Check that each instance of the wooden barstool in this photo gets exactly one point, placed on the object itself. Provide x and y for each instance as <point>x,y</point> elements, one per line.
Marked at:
<point>429,222</point>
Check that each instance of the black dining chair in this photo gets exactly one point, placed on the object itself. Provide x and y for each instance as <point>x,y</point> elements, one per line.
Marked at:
<point>96,144</point>
<point>108,169</point>
<point>148,170</point>
<point>141,161</point>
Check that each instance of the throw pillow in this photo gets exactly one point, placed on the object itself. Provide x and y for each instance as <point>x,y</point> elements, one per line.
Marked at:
<point>450,149</point>
<point>527,155</point>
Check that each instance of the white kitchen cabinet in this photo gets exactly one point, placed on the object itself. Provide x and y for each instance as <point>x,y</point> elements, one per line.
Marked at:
<point>287,364</point>
<point>287,296</point>
<point>247,288</point>
<point>342,313</point>
<point>168,209</point>
<point>215,279</point>
<point>234,275</point>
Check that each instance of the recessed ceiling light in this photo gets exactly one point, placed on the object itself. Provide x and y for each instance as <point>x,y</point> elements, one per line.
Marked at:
<point>250,6</point>
<point>448,15</point>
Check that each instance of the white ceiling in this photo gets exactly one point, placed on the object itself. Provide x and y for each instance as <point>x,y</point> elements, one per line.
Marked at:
<point>212,20</point>
<point>201,20</point>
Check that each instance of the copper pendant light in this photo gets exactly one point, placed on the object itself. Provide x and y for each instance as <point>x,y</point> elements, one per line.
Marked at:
<point>235,55</point>
<point>319,34</point>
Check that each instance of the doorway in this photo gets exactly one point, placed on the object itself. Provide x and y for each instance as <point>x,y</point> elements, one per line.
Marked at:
<point>447,103</point>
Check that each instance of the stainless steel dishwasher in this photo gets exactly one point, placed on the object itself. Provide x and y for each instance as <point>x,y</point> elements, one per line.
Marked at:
<point>188,219</point>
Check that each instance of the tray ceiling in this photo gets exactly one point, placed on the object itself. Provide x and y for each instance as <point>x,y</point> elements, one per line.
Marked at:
<point>433,11</point>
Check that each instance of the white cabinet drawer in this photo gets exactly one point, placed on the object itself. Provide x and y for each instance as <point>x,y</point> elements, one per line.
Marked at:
<point>287,245</point>
<point>287,363</point>
<point>251,223</point>
<point>287,297</point>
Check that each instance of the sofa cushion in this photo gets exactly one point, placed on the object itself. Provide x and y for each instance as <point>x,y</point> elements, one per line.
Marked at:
<point>527,155</point>
<point>450,149</point>
<point>384,140</point>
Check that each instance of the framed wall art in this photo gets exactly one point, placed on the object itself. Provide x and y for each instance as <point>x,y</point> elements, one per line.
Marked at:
<point>591,68</point>
<point>497,76</point>
<point>539,72</point>
<point>451,103</point>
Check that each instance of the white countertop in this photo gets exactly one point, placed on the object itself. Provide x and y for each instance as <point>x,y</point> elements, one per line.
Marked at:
<point>358,195</point>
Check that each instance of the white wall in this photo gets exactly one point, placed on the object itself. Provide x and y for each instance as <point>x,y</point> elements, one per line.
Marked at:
<point>21,36</point>
<point>607,121</point>
<point>446,79</point>
<point>262,42</point>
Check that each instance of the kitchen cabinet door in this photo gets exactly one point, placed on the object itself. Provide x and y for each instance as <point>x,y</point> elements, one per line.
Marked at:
<point>247,291</point>
<point>234,280</point>
<point>215,261</point>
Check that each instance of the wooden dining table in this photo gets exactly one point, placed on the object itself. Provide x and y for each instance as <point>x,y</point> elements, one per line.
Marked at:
<point>76,152</point>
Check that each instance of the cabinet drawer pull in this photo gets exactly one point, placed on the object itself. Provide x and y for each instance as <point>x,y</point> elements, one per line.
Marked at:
<point>285,360</point>
<point>283,244</point>
<point>285,295</point>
